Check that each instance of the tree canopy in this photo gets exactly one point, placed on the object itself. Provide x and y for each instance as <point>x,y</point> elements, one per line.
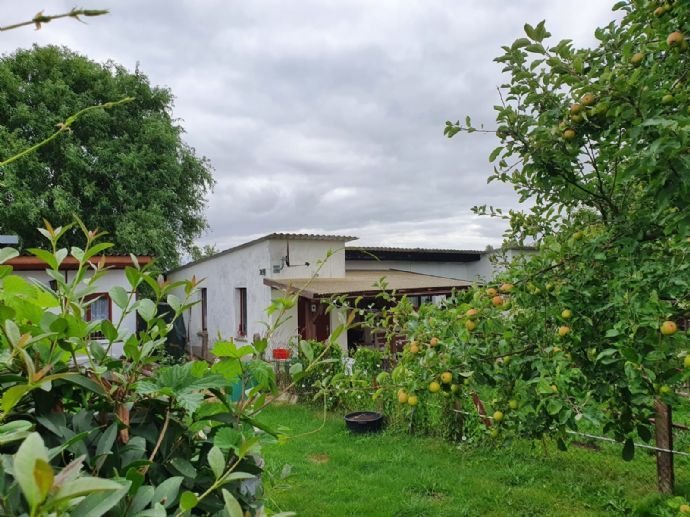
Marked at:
<point>124,170</point>
<point>589,332</point>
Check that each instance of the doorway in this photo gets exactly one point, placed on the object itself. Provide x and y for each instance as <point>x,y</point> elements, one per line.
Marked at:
<point>313,321</point>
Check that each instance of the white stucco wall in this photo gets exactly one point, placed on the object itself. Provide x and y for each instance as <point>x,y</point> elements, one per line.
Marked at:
<point>482,270</point>
<point>314,252</point>
<point>110,279</point>
<point>286,334</point>
<point>221,276</point>
<point>338,317</point>
<point>496,262</point>
<point>470,271</point>
<point>242,268</point>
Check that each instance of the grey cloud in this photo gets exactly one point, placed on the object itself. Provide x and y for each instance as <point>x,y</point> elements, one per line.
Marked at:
<point>328,116</point>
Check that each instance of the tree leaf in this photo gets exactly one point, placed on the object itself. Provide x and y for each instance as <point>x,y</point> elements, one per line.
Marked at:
<point>119,296</point>
<point>157,511</point>
<point>146,309</point>
<point>231,505</point>
<point>56,451</point>
<point>216,460</point>
<point>141,499</point>
<point>227,438</point>
<point>7,254</point>
<point>236,476</point>
<point>31,450</point>
<point>296,369</point>
<point>12,396</point>
<point>109,331</point>
<point>188,500</point>
<point>84,486</point>
<point>644,432</point>
<point>166,492</point>
<point>45,256</point>
<point>105,443</point>
<point>14,431</point>
<point>43,476</point>
<point>85,382</point>
<point>13,333</point>
<point>629,449</point>
<point>184,467</point>
<point>98,504</point>
<point>554,406</point>
<point>308,351</point>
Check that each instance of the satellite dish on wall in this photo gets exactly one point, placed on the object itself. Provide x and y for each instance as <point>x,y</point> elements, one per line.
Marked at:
<point>287,256</point>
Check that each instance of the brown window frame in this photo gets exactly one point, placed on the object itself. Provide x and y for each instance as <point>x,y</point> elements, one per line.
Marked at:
<point>87,316</point>
<point>204,309</point>
<point>241,311</point>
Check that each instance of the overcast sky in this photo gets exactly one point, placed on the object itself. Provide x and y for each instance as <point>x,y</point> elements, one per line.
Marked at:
<point>327,116</point>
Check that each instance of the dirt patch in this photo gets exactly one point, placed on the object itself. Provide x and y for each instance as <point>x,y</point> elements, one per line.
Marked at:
<point>319,458</point>
<point>586,445</point>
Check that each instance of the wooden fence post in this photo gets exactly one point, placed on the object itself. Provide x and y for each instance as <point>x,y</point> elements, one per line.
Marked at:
<point>664,440</point>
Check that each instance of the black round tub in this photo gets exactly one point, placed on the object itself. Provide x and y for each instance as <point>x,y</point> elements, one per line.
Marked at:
<point>364,422</point>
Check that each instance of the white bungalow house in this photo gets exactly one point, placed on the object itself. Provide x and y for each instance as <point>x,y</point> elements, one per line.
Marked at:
<point>240,283</point>
<point>102,307</point>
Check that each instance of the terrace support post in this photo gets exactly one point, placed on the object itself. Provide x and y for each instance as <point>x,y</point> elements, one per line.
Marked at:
<point>204,345</point>
<point>664,440</point>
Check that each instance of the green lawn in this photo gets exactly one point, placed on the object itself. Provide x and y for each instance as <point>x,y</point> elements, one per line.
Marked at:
<point>336,473</point>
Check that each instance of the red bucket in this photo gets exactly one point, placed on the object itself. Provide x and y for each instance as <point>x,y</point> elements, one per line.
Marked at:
<point>281,353</point>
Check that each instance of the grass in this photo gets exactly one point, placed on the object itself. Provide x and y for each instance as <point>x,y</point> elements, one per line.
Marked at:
<point>335,473</point>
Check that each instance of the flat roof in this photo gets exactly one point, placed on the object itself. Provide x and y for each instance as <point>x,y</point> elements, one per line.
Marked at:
<point>270,236</point>
<point>411,254</point>
<point>31,263</point>
<point>365,282</point>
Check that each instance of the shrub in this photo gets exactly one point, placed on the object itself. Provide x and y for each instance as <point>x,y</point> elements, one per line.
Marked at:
<point>154,439</point>
<point>308,387</point>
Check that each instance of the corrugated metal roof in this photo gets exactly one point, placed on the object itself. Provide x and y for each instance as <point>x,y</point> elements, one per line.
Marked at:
<point>365,282</point>
<point>309,237</point>
<point>270,236</point>
<point>414,250</point>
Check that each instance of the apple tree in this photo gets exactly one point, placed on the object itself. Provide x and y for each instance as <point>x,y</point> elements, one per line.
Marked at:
<point>589,331</point>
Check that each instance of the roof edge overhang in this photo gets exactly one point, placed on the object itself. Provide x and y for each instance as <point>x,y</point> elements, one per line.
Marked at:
<point>27,263</point>
<point>369,293</point>
<point>269,237</point>
<point>368,253</point>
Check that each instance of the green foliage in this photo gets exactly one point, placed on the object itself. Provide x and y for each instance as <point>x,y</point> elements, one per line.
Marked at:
<point>368,362</point>
<point>125,169</point>
<point>582,334</point>
<point>597,139</point>
<point>308,387</point>
<point>155,439</point>
<point>200,252</point>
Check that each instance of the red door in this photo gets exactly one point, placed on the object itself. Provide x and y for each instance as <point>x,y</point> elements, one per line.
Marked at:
<point>312,320</point>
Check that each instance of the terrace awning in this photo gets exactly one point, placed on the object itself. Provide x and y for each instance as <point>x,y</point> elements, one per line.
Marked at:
<point>366,283</point>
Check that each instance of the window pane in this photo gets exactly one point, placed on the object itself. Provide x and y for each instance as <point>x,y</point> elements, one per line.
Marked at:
<point>241,310</point>
<point>100,309</point>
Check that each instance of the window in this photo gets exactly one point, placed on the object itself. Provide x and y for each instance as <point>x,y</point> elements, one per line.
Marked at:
<point>204,309</point>
<point>241,312</point>
<point>99,308</point>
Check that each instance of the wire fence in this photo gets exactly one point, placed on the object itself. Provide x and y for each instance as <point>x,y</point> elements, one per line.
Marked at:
<point>592,436</point>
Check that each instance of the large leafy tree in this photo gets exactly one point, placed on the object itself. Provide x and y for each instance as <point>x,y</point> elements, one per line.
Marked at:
<point>124,170</point>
